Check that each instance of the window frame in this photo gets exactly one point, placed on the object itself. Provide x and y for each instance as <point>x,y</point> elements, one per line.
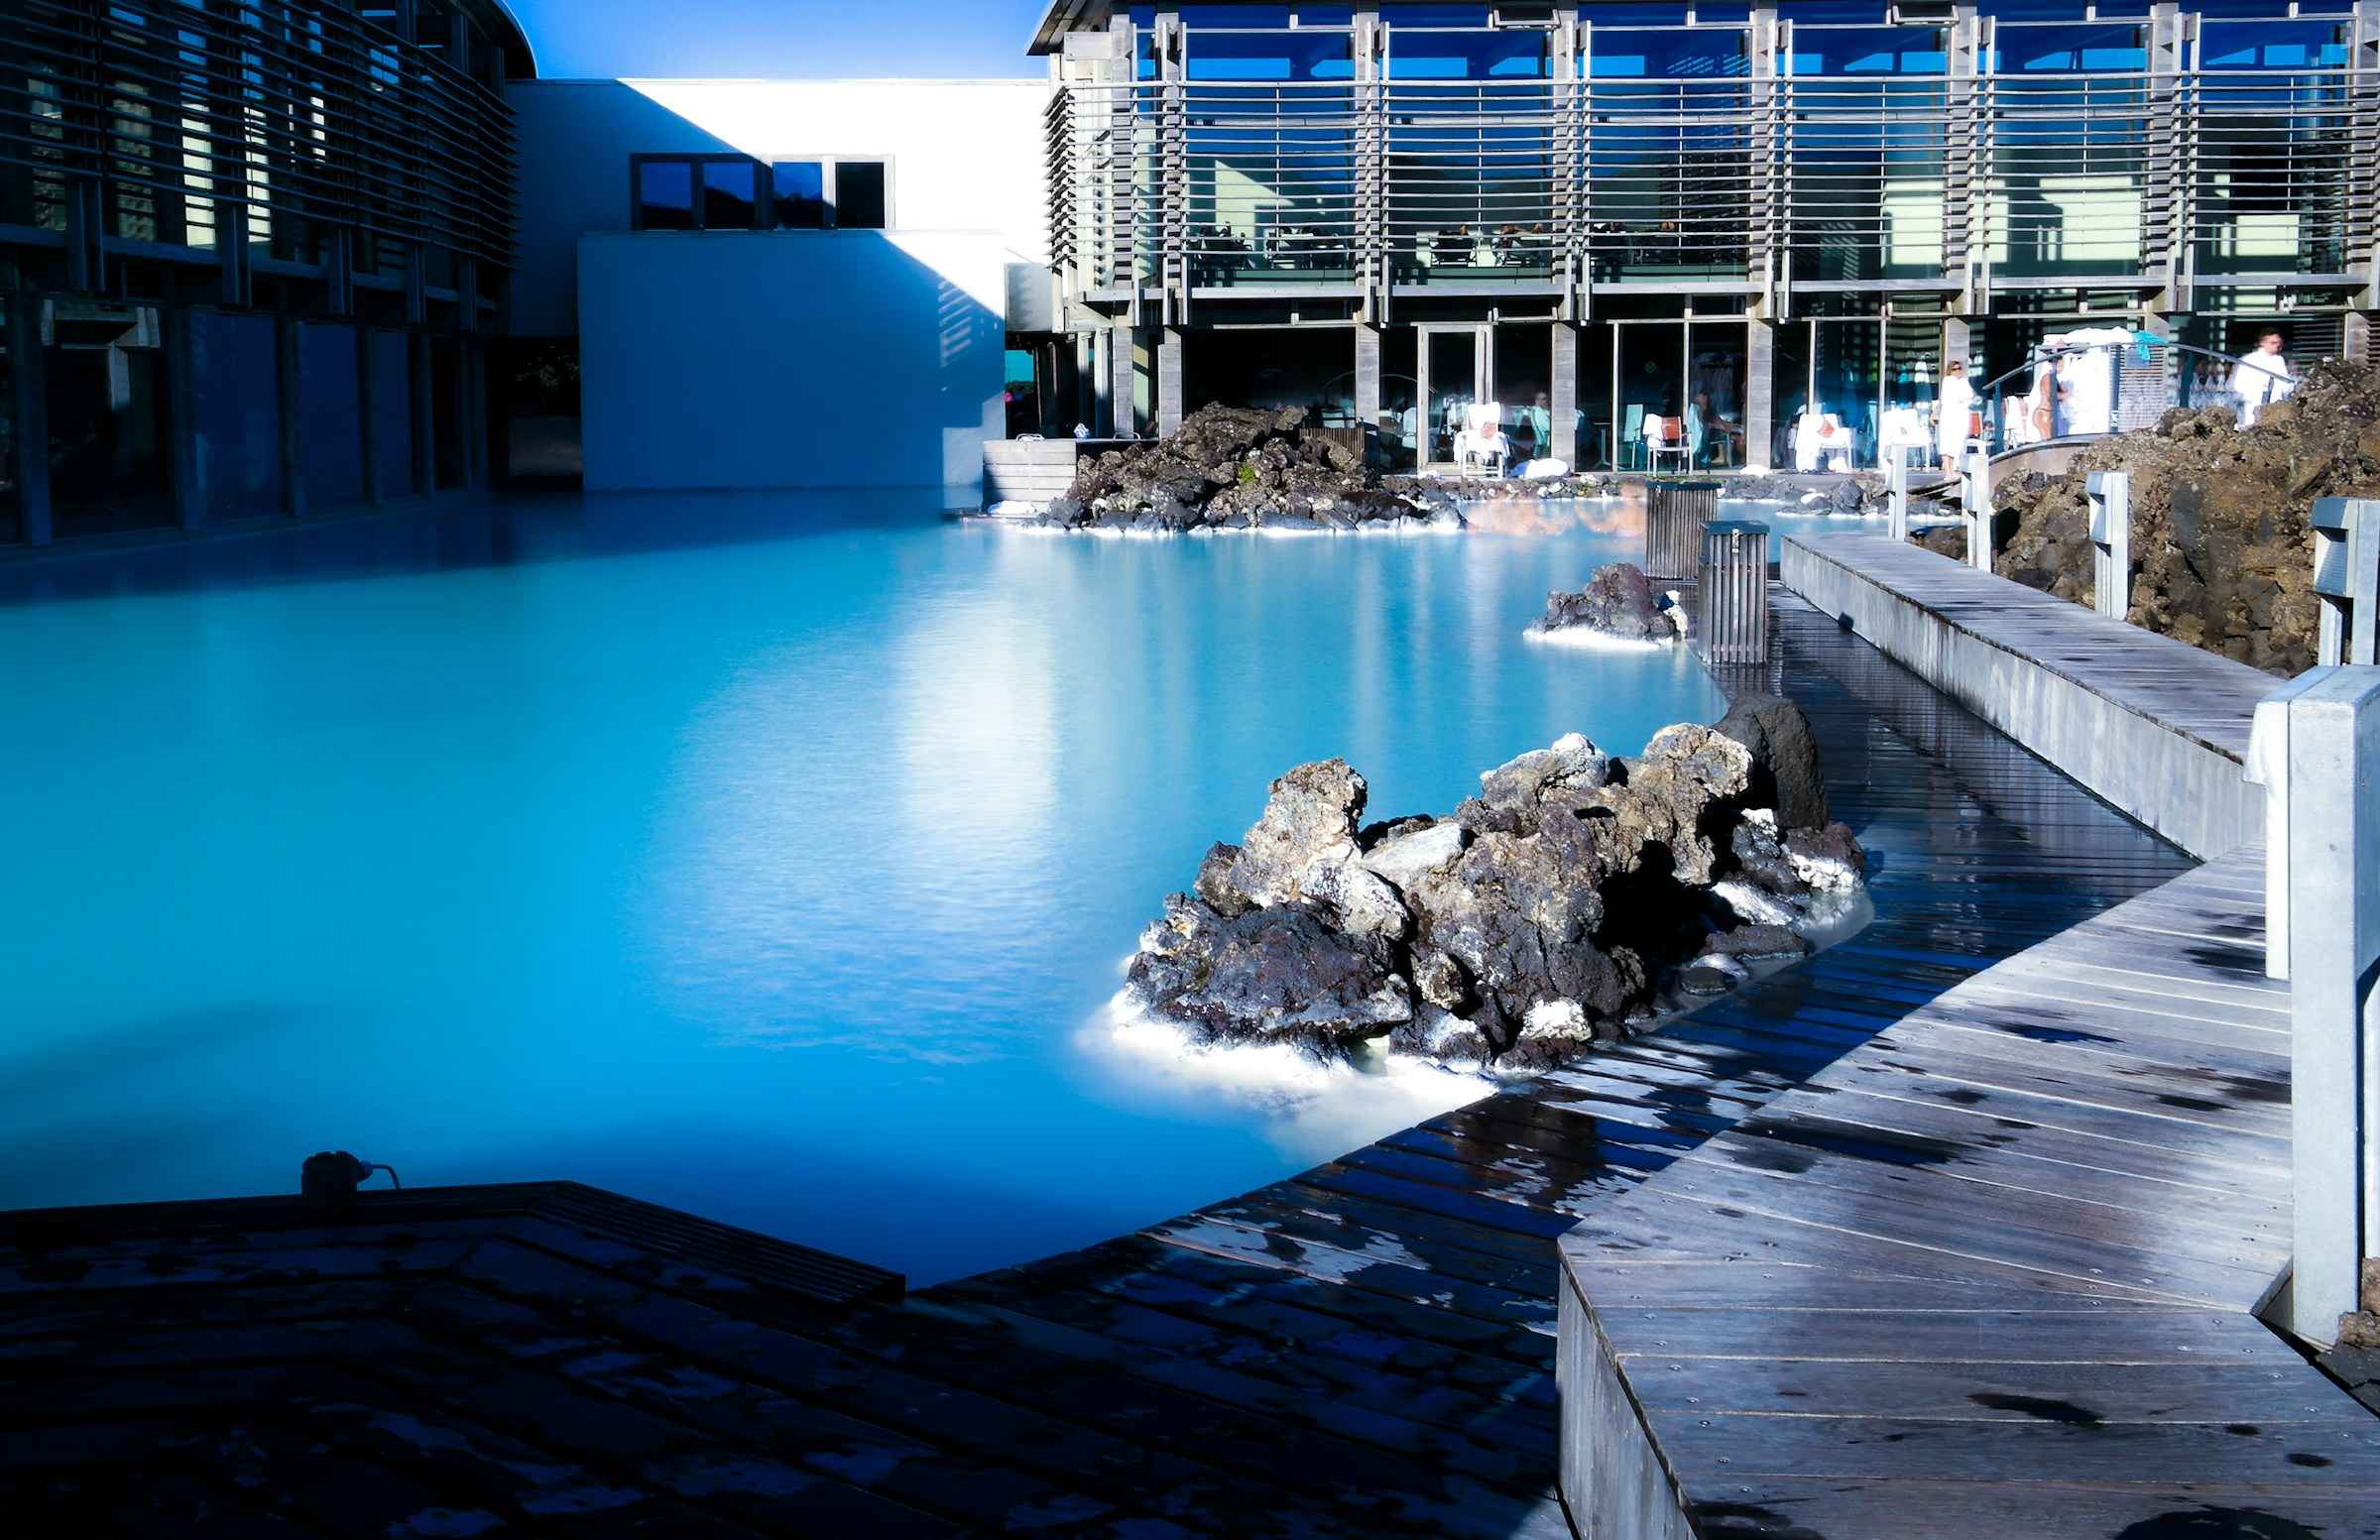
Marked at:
<point>763,205</point>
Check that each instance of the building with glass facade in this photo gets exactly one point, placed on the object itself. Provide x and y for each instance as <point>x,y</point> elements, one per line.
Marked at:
<point>249,253</point>
<point>1704,208</point>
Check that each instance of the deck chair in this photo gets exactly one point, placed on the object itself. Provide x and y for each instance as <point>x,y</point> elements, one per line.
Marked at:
<point>1481,440</point>
<point>1631,435</point>
<point>1667,436</point>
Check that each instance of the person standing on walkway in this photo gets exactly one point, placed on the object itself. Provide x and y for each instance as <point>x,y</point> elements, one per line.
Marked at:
<point>1957,406</point>
<point>2262,378</point>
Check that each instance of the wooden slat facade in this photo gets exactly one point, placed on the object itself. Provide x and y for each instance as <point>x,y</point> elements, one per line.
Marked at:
<point>1366,1348</point>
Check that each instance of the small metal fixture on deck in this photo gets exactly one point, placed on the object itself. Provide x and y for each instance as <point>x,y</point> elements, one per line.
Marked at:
<point>1674,515</point>
<point>1974,497</point>
<point>328,1181</point>
<point>1897,479</point>
<point>2346,578</point>
<point>2111,496</point>
<point>1734,591</point>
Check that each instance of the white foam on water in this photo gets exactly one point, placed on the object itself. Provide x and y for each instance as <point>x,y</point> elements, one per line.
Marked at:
<point>1587,638</point>
<point>1312,1110</point>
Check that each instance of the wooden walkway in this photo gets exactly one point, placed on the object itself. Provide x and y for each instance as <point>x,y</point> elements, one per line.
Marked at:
<point>1992,1273</point>
<point>1364,1350</point>
<point>2157,728</point>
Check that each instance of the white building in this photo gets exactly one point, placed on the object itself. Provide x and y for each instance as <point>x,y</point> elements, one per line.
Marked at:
<point>767,282</point>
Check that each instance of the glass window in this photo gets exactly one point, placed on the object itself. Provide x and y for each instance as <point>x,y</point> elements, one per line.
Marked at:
<point>1674,55</point>
<point>860,195</point>
<point>727,194</point>
<point>1270,55</point>
<point>799,187</point>
<point>1831,51</point>
<point>2071,49</point>
<point>235,414</point>
<point>393,410</point>
<point>1256,18</point>
<point>664,196</point>
<point>333,408</point>
<point>1467,55</point>
<point>2271,46</point>
<point>1437,16</point>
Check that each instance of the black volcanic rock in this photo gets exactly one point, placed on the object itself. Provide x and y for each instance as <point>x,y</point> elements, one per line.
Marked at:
<point>1552,909</point>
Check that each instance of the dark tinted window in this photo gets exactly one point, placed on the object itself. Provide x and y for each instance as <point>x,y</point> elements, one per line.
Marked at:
<point>860,195</point>
<point>727,194</point>
<point>664,196</point>
<point>800,188</point>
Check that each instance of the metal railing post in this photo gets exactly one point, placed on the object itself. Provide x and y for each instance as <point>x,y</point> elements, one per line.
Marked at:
<point>2110,495</point>
<point>1733,588</point>
<point>1974,496</point>
<point>1896,480</point>
<point>2346,578</point>
<point>1675,513</point>
<point>2333,944</point>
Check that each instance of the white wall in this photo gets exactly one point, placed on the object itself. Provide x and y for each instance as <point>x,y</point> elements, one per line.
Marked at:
<point>793,359</point>
<point>964,155</point>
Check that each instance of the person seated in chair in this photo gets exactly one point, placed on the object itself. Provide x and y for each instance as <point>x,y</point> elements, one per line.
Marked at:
<point>1482,439</point>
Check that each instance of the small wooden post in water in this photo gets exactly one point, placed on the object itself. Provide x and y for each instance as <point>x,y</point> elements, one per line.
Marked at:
<point>1975,495</point>
<point>2110,497</point>
<point>2346,578</point>
<point>1734,590</point>
<point>1674,515</point>
<point>2330,757</point>
<point>1896,478</point>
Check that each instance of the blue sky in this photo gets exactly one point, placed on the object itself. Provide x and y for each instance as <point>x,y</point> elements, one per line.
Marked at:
<point>784,39</point>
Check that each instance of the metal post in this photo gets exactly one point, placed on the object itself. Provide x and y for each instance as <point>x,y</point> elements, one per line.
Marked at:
<point>2346,578</point>
<point>1896,480</point>
<point>2334,844</point>
<point>2110,497</point>
<point>1975,495</point>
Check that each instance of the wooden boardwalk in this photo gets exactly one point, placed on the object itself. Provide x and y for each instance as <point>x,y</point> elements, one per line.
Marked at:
<point>1364,1349</point>
<point>2157,728</point>
<point>1992,1271</point>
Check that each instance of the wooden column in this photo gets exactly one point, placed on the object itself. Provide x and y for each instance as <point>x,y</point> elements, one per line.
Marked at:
<point>1759,393</point>
<point>1169,382</point>
<point>1564,394</point>
<point>27,385</point>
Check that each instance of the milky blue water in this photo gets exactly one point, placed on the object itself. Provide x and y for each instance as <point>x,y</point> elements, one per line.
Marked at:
<point>769,855</point>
